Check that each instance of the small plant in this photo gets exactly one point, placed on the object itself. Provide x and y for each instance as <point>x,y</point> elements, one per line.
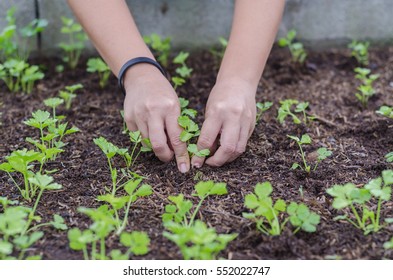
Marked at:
<point>268,215</point>
<point>366,215</point>
<point>261,108</point>
<point>297,50</point>
<point>388,245</point>
<point>218,53</point>
<point>285,111</point>
<point>323,153</point>
<point>366,89</point>
<point>97,65</point>
<point>183,70</point>
<point>68,94</point>
<point>94,238</point>
<point>386,111</point>
<point>360,51</point>
<point>76,41</point>
<point>191,130</point>
<point>389,157</point>
<point>161,47</point>
<point>185,111</point>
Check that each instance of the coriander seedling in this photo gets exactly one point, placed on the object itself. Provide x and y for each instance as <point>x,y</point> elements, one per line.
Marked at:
<point>76,41</point>
<point>182,70</point>
<point>97,65</point>
<point>360,51</point>
<point>285,111</point>
<point>366,89</point>
<point>161,47</point>
<point>218,52</point>
<point>366,216</point>
<point>185,111</point>
<point>296,49</point>
<point>261,108</point>
<point>191,130</point>
<point>386,111</point>
<point>68,94</point>
<point>389,157</point>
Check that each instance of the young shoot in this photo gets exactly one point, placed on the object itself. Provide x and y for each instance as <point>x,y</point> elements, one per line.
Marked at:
<point>366,89</point>
<point>182,70</point>
<point>296,49</point>
<point>76,41</point>
<point>361,202</point>
<point>191,130</point>
<point>161,47</point>
<point>261,108</point>
<point>268,216</point>
<point>97,65</point>
<point>323,153</point>
<point>360,51</point>
<point>285,111</point>
<point>68,94</point>
<point>218,52</point>
<point>386,111</point>
<point>389,157</point>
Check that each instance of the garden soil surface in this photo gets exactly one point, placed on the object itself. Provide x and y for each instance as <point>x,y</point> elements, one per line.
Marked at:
<point>359,139</point>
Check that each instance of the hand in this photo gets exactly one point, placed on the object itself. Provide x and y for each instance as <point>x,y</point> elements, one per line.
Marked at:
<point>152,107</point>
<point>229,122</point>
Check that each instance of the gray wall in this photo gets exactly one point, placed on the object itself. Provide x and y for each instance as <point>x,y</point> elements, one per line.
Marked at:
<point>193,23</point>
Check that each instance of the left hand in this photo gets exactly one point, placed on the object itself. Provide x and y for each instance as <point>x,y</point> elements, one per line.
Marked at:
<point>229,122</point>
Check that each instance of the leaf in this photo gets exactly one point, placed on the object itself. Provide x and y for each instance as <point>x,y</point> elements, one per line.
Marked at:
<point>144,190</point>
<point>263,190</point>
<point>280,205</point>
<point>323,153</point>
<point>5,247</point>
<point>387,176</point>
<point>185,136</point>
<point>306,139</point>
<point>58,222</point>
<point>138,242</point>
<point>295,166</point>
<point>251,201</point>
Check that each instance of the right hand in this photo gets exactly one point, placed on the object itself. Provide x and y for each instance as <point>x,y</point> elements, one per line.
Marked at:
<point>152,107</point>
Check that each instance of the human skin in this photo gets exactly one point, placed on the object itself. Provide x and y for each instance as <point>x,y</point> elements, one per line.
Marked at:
<point>231,107</point>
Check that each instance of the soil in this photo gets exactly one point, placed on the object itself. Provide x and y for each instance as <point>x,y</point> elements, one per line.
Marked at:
<point>359,139</point>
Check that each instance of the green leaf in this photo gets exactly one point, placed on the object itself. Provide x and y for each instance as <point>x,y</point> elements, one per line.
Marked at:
<point>280,205</point>
<point>323,153</point>
<point>306,139</point>
<point>5,248</point>
<point>58,222</point>
<point>263,190</point>
<point>144,190</point>
<point>387,176</point>
<point>138,242</point>
<point>131,186</point>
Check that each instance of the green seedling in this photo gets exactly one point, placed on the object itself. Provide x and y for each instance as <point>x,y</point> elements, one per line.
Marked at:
<point>191,130</point>
<point>359,202</point>
<point>185,111</point>
<point>388,245</point>
<point>323,153</point>
<point>134,190</point>
<point>21,161</point>
<point>76,41</point>
<point>366,89</point>
<point>360,51</point>
<point>161,47</point>
<point>97,65</point>
<point>182,70</point>
<point>68,94</point>
<point>297,50</point>
<point>261,108</point>
<point>179,211</point>
<point>285,111</point>
<point>268,215</point>
<point>389,157</point>
<point>386,111</point>
<point>8,46</point>
<point>103,225</point>
<point>198,242</point>
<point>219,52</point>
<point>53,103</point>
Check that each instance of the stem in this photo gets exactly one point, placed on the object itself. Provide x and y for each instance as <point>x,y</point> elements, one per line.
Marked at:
<point>85,254</point>
<point>27,193</point>
<point>296,230</point>
<point>93,250</point>
<point>137,155</point>
<point>132,153</point>
<point>361,224</point>
<point>31,215</point>
<point>102,248</point>
<point>306,167</point>
<point>261,228</point>
<point>13,180</point>
<point>376,224</point>
<point>196,210</point>
<point>37,227</point>
<point>113,180</point>
<point>125,217</point>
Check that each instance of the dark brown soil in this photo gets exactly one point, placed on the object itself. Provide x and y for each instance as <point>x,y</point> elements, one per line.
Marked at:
<point>358,138</point>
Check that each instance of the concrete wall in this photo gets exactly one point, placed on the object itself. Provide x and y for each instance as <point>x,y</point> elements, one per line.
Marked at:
<point>195,23</point>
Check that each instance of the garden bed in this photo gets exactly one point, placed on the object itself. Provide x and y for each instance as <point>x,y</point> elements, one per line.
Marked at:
<point>358,138</point>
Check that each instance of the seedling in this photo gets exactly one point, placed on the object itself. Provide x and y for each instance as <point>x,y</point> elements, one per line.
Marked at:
<point>161,47</point>
<point>191,130</point>
<point>76,41</point>
<point>285,111</point>
<point>261,108</point>
<point>198,242</point>
<point>389,157</point>
<point>68,94</point>
<point>388,245</point>
<point>366,89</point>
<point>366,216</point>
<point>386,111</point>
<point>268,215</point>
<point>219,52</point>
<point>183,70</point>
<point>360,51</point>
<point>297,50</point>
<point>97,65</point>
<point>185,111</point>
<point>323,153</point>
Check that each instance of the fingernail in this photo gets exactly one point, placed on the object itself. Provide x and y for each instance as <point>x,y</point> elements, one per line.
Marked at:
<point>183,167</point>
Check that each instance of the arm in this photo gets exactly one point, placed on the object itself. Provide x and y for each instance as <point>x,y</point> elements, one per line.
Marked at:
<point>150,96</point>
<point>230,111</point>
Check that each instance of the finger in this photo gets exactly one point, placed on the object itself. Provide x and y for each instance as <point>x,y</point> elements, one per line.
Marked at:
<point>132,126</point>
<point>142,127</point>
<point>179,147</point>
<point>242,144</point>
<point>209,135</point>
<point>228,143</point>
<point>158,140</point>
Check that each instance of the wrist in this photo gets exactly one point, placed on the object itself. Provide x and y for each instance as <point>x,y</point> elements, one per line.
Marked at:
<point>141,73</point>
<point>237,82</point>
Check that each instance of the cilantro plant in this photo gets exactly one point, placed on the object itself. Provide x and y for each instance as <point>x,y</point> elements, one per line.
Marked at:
<point>285,111</point>
<point>94,238</point>
<point>76,41</point>
<point>161,47</point>
<point>97,65</point>
<point>268,216</point>
<point>68,94</point>
<point>182,70</point>
<point>218,52</point>
<point>360,51</point>
<point>366,89</point>
<point>297,50</point>
<point>389,157</point>
<point>388,245</point>
<point>191,130</point>
<point>261,108</point>
<point>185,111</point>
<point>361,202</point>
<point>323,153</point>
<point>386,111</point>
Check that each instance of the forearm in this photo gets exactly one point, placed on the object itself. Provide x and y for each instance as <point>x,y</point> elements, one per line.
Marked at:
<point>254,29</point>
<point>112,30</point>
